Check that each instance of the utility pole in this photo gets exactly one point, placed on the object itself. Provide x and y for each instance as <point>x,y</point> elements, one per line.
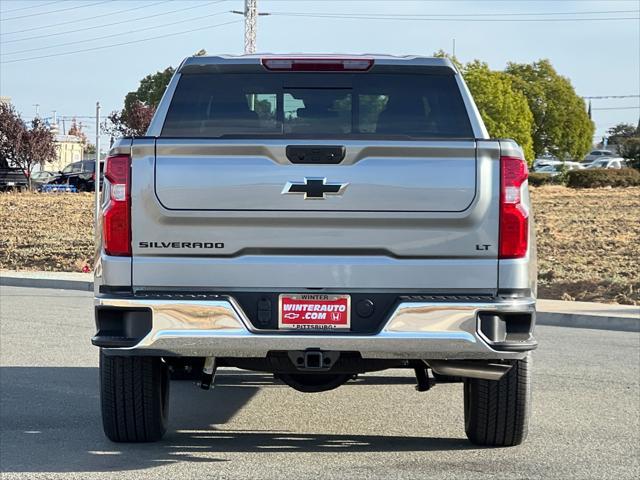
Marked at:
<point>37,105</point>
<point>250,25</point>
<point>251,15</point>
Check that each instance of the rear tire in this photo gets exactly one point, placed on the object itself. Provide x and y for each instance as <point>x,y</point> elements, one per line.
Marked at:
<point>496,413</point>
<point>134,393</point>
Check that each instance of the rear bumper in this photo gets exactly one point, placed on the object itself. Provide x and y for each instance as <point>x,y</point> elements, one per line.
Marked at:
<point>217,326</point>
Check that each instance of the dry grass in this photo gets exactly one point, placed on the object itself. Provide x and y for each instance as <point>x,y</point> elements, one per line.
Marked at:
<point>46,231</point>
<point>588,239</point>
<point>588,243</point>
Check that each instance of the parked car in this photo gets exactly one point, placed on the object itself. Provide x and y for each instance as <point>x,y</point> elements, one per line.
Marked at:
<point>42,177</point>
<point>13,179</point>
<point>612,162</point>
<point>556,168</point>
<point>80,175</point>
<point>275,219</point>
<point>57,188</point>
<point>598,154</point>
<point>540,162</point>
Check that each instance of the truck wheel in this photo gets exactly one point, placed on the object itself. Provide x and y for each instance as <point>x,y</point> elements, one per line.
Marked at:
<point>134,393</point>
<point>496,413</point>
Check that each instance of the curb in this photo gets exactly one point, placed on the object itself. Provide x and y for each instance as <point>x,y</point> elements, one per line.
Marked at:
<point>596,322</point>
<point>623,323</point>
<point>63,284</point>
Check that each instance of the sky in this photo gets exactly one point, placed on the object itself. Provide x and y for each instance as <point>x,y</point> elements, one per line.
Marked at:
<point>586,41</point>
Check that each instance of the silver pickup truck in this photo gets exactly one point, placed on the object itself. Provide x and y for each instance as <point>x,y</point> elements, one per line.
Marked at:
<point>316,217</point>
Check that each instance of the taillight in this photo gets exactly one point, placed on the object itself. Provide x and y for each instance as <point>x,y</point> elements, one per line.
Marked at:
<point>318,64</point>
<point>116,216</point>
<point>514,216</point>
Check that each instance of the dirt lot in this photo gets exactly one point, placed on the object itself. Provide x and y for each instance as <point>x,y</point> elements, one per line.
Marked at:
<point>46,231</point>
<point>588,243</point>
<point>588,240</point>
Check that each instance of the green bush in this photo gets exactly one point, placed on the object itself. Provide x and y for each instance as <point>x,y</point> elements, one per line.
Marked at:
<point>626,177</point>
<point>539,179</point>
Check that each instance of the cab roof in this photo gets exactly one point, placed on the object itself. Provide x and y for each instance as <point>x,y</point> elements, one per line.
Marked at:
<point>216,62</point>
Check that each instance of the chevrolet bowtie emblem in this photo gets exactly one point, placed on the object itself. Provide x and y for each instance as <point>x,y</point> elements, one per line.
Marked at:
<point>315,188</point>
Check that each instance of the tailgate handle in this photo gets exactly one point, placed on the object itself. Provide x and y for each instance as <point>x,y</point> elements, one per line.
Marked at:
<point>315,154</point>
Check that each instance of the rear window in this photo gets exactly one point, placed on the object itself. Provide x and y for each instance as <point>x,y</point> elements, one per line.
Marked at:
<point>311,105</point>
<point>73,168</point>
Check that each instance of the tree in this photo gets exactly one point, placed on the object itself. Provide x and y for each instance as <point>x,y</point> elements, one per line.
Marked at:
<point>629,146</point>
<point>630,150</point>
<point>442,54</point>
<point>620,133</point>
<point>151,89</point>
<point>504,110</point>
<point>132,121</point>
<point>40,147</point>
<point>21,147</point>
<point>76,130</point>
<point>13,134</point>
<point>561,125</point>
<point>140,105</point>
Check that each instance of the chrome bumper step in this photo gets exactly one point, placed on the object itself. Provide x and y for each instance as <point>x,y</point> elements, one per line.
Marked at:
<point>218,327</point>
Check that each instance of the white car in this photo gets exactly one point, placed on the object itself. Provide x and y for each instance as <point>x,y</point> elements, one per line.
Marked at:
<point>539,163</point>
<point>556,168</point>
<point>597,155</point>
<point>613,162</point>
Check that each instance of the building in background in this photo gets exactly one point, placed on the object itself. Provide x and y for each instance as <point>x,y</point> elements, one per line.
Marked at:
<point>69,149</point>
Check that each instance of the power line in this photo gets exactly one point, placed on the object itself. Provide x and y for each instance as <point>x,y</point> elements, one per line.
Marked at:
<point>416,18</point>
<point>30,6</point>
<point>454,1</point>
<point>119,34</point>
<point>55,11</point>
<point>495,14</point>
<point>129,20</point>
<point>122,43</point>
<point>81,20</point>
<point>443,1</point>
<point>219,1</point>
<point>611,96</point>
<point>618,108</point>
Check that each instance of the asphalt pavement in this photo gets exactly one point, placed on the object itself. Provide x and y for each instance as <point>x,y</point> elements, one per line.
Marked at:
<point>585,422</point>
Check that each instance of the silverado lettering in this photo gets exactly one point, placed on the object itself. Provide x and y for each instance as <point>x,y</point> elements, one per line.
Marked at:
<point>180,245</point>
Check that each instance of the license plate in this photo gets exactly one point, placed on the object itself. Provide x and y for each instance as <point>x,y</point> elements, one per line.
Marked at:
<point>314,312</point>
<point>11,184</point>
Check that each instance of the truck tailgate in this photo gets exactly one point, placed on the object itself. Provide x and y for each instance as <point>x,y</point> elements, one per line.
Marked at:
<point>395,177</point>
<point>204,218</point>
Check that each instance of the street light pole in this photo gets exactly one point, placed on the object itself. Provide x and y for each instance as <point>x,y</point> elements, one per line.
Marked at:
<point>97,167</point>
